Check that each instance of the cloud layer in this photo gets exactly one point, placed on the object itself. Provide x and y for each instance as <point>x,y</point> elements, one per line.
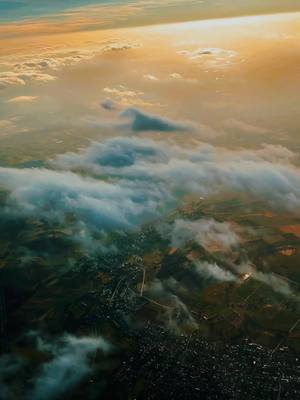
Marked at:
<point>267,174</point>
<point>96,205</point>
<point>43,64</point>
<point>120,183</point>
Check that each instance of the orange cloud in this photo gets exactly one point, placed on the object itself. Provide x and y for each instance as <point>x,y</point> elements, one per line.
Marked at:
<point>22,99</point>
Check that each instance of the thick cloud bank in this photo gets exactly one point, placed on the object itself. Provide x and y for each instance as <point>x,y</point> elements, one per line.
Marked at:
<point>120,183</point>
<point>96,206</point>
<point>267,174</point>
<point>118,152</point>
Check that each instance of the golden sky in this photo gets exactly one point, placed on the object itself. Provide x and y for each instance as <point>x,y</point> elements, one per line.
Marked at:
<point>235,80</point>
<point>33,17</point>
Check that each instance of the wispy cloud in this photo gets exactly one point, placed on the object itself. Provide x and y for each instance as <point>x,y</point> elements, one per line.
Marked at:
<point>14,78</point>
<point>22,99</point>
<point>42,65</point>
<point>213,272</point>
<point>211,58</point>
<point>69,365</point>
<point>210,234</point>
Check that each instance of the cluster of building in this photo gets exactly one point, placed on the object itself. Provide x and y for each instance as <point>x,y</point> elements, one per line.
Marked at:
<point>187,367</point>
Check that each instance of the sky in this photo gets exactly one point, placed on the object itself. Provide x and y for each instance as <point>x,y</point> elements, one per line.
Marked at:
<point>76,15</point>
<point>220,75</point>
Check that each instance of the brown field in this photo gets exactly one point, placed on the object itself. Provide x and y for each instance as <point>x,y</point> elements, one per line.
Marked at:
<point>295,229</point>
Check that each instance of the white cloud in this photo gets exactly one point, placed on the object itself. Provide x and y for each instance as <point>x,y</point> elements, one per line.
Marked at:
<point>243,126</point>
<point>266,174</point>
<point>140,176</point>
<point>209,233</point>
<point>124,97</point>
<point>175,314</point>
<point>275,282</point>
<point>22,99</point>
<point>97,206</point>
<point>212,58</point>
<point>213,271</point>
<point>13,78</point>
<point>115,153</point>
<point>122,91</point>
<point>42,65</point>
<point>122,45</point>
<point>10,79</point>
<point>208,52</point>
<point>178,77</point>
<point>175,75</point>
<point>69,365</point>
<point>209,170</point>
<point>150,77</point>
